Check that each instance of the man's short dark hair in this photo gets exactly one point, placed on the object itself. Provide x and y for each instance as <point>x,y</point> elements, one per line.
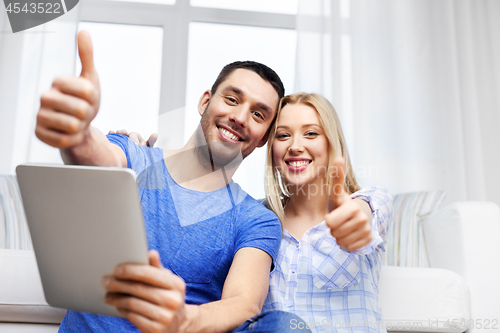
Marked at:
<point>262,70</point>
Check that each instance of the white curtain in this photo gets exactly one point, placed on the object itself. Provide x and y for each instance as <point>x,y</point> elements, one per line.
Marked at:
<point>416,84</point>
<point>29,62</point>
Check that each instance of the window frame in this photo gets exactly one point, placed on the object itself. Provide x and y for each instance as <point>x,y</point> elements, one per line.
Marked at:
<point>175,20</point>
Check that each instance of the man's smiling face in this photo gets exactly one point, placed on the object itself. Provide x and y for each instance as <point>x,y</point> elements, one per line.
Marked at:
<point>238,115</point>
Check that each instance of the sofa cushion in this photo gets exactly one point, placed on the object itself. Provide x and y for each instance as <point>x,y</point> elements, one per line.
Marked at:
<point>423,299</point>
<point>22,298</point>
<point>28,328</point>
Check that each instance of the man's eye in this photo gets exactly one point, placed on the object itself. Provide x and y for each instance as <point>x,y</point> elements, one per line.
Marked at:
<point>258,114</point>
<point>231,100</point>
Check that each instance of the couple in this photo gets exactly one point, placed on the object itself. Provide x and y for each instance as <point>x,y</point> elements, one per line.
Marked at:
<point>219,244</point>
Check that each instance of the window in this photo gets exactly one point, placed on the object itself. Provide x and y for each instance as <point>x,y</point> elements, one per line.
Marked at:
<point>274,6</point>
<point>182,34</point>
<point>164,2</point>
<point>128,59</point>
<point>270,46</point>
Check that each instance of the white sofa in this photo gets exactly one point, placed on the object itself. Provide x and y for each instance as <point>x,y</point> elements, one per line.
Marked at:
<point>22,304</point>
<point>462,242</point>
<point>460,286</point>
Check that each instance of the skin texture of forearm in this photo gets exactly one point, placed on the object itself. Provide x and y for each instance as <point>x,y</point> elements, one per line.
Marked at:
<point>95,150</point>
<point>220,316</point>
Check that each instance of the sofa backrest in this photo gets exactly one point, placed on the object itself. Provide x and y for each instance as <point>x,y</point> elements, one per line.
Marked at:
<point>405,240</point>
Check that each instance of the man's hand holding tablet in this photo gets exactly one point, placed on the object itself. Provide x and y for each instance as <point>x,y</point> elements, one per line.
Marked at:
<point>158,304</point>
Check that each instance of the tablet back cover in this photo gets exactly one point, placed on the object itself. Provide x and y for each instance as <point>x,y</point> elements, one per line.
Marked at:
<point>83,221</point>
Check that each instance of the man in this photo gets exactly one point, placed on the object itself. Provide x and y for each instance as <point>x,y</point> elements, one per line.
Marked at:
<point>218,243</point>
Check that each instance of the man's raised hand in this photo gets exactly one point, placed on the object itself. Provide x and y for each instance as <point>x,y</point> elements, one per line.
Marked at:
<point>67,109</point>
<point>348,222</point>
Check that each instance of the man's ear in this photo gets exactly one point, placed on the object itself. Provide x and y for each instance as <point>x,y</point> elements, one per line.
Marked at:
<point>266,136</point>
<point>264,139</point>
<point>204,101</point>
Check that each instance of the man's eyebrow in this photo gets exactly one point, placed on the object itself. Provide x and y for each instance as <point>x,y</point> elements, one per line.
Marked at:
<point>234,89</point>
<point>264,107</point>
<point>238,91</point>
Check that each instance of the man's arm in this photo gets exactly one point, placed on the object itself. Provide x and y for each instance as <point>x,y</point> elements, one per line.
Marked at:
<point>67,110</point>
<point>243,296</point>
<point>154,299</point>
<point>96,150</point>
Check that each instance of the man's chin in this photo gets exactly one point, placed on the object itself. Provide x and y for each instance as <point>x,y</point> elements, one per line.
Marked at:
<point>225,154</point>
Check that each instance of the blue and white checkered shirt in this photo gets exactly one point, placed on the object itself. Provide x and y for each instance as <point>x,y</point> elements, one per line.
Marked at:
<point>332,290</point>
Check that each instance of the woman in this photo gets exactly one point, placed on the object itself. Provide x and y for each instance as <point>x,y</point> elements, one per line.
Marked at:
<point>329,261</point>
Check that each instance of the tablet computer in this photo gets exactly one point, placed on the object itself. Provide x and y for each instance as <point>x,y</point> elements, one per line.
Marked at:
<point>83,222</point>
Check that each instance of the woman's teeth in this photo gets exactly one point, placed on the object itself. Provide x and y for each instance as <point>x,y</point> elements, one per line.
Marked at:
<point>297,164</point>
<point>229,134</point>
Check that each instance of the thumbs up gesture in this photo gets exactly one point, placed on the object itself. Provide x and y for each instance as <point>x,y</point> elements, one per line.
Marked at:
<point>349,220</point>
<point>67,109</point>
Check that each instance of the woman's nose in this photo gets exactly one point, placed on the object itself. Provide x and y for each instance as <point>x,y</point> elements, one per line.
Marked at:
<point>296,147</point>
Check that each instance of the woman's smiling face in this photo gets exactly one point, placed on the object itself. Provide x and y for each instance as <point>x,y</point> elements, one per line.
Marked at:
<point>300,147</point>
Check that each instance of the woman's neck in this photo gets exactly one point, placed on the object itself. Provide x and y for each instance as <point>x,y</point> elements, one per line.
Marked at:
<point>304,210</point>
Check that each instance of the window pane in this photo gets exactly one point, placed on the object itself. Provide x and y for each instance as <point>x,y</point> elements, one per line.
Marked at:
<point>211,47</point>
<point>273,6</point>
<point>164,2</point>
<point>128,60</point>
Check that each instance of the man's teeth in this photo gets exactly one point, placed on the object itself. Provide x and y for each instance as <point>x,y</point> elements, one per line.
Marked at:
<point>297,164</point>
<point>229,134</point>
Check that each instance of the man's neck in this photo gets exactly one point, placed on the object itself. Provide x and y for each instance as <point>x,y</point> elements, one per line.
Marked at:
<point>192,168</point>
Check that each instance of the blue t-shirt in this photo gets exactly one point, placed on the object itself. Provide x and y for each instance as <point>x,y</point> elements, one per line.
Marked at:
<point>196,233</point>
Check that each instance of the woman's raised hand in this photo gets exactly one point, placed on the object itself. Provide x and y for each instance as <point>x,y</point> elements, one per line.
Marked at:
<point>348,221</point>
<point>137,138</point>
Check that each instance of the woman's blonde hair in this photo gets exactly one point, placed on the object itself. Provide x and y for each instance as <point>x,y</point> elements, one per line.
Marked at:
<point>277,194</point>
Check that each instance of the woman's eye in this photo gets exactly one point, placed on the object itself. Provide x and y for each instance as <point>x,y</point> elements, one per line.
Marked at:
<point>311,134</point>
<point>282,136</point>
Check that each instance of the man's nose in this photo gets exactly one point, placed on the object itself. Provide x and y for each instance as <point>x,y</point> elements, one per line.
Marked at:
<point>240,115</point>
